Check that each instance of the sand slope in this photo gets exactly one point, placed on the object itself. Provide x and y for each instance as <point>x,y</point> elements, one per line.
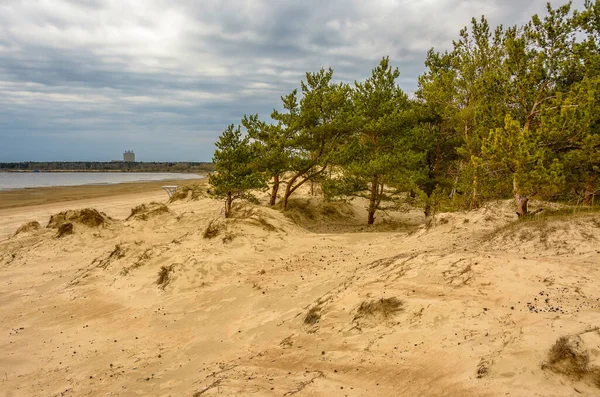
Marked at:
<point>317,305</point>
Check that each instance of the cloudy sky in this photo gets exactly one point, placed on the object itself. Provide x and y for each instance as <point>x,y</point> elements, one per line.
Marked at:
<point>87,79</point>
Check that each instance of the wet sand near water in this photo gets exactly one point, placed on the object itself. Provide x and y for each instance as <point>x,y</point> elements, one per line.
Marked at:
<point>37,204</point>
<point>46,195</point>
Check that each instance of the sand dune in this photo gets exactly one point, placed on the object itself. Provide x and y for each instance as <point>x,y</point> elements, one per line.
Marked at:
<point>178,301</point>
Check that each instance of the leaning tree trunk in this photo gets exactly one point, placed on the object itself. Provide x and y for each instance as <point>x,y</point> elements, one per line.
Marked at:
<point>288,193</point>
<point>274,190</point>
<point>373,200</point>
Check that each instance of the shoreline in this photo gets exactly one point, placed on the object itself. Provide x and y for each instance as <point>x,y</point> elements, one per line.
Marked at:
<point>106,171</point>
<point>34,196</point>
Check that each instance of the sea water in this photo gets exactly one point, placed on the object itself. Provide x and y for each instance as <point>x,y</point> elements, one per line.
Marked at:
<point>20,180</point>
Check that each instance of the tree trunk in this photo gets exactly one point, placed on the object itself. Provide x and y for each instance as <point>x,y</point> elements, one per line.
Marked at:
<point>373,200</point>
<point>453,191</point>
<point>590,191</point>
<point>520,200</point>
<point>288,193</point>
<point>521,205</point>
<point>284,201</point>
<point>274,190</point>
<point>427,209</point>
<point>291,188</point>
<point>474,199</point>
<point>228,202</point>
<point>312,188</point>
<point>438,159</point>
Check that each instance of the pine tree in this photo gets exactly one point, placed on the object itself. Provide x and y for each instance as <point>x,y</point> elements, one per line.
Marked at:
<point>584,160</point>
<point>313,128</point>
<point>270,144</point>
<point>379,151</point>
<point>516,152</point>
<point>472,81</point>
<point>234,177</point>
<point>437,134</point>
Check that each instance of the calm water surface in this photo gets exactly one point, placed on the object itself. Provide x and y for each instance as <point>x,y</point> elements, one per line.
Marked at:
<point>19,180</point>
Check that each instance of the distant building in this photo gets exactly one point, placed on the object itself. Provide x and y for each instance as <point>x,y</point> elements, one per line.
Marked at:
<point>129,156</point>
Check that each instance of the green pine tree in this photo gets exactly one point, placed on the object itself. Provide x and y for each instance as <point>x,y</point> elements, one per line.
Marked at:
<point>271,145</point>
<point>379,151</point>
<point>234,177</point>
<point>517,152</point>
<point>313,128</point>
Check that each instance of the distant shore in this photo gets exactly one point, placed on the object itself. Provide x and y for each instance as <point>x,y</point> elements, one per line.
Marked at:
<point>107,166</point>
<point>105,170</point>
<point>16,198</point>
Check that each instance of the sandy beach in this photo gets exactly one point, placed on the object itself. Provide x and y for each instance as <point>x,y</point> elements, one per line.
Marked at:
<point>176,301</point>
<point>59,194</point>
<point>22,205</point>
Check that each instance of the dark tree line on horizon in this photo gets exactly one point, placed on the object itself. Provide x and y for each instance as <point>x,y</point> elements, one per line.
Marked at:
<point>511,111</point>
<point>108,166</point>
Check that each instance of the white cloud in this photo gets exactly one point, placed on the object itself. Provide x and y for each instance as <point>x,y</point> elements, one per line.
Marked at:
<point>115,65</point>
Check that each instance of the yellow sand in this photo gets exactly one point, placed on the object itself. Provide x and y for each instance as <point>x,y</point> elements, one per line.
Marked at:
<point>83,315</point>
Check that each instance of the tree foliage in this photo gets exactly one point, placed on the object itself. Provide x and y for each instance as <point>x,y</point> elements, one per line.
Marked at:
<point>234,177</point>
<point>314,127</point>
<point>508,111</point>
<point>378,152</point>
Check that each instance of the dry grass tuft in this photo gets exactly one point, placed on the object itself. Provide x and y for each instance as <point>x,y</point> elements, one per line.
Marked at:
<point>307,211</point>
<point>264,223</point>
<point>214,228</point>
<point>164,276</point>
<point>483,368</point>
<point>146,211</point>
<point>64,229</point>
<point>252,215</point>
<point>313,316</point>
<point>141,260</point>
<point>87,216</point>
<point>379,309</point>
<point>117,253</point>
<point>28,227</point>
<point>190,192</point>
<point>568,356</point>
<point>546,228</point>
<point>541,220</point>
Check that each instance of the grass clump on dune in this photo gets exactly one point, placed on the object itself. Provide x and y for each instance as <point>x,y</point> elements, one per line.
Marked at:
<point>146,211</point>
<point>164,276</point>
<point>189,192</point>
<point>87,216</point>
<point>313,316</point>
<point>214,228</point>
<point>28,227</point>
<point>384,308</point>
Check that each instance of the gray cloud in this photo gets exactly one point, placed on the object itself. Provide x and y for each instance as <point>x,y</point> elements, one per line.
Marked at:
<point>85,79</point>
